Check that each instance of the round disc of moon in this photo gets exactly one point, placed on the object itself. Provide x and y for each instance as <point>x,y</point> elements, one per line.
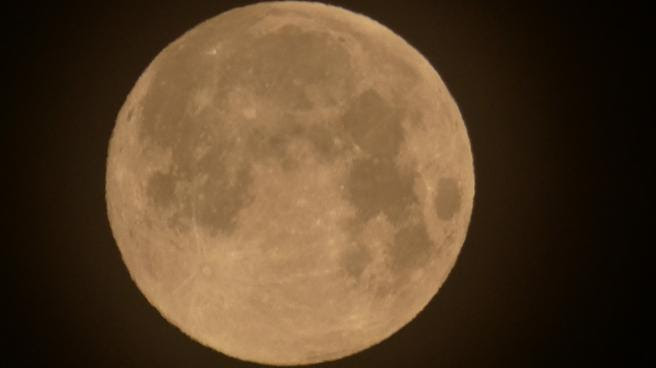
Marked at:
<point>289,183</point>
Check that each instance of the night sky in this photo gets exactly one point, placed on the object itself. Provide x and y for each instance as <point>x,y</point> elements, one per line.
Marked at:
<point>550,273</point>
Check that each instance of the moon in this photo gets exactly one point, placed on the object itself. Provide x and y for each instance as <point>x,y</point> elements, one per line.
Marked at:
<point>289,183</point>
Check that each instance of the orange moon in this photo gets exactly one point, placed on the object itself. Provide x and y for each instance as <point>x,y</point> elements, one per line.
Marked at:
<point>289,183</point>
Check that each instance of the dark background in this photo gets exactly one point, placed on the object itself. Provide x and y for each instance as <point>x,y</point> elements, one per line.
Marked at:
<point>549,274</point>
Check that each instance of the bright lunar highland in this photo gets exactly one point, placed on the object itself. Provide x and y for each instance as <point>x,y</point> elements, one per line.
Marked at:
<point>289,183</point>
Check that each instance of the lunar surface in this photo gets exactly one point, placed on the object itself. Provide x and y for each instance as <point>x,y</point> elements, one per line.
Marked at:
<point>289,183</point>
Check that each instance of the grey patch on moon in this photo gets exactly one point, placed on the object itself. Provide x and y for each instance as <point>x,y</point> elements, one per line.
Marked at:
<point>222,198</point>
<point>312,57</point>
<point>202,191</point>
<point>411,248</point>
<point>447,200</point>
<point>355,259</point>
<point>285,64</point>
<point>374,125</point>
<point>161,189</point>
<point>377,185</point>
<point>276,143</point>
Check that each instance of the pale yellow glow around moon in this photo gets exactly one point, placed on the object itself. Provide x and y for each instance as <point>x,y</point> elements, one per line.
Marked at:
<point>289,183</point>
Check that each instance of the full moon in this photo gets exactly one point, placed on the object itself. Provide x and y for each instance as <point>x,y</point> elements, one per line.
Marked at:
<point>289,183</point>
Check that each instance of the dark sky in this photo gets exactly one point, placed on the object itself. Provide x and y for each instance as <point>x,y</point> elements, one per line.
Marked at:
<point>549,274</point>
